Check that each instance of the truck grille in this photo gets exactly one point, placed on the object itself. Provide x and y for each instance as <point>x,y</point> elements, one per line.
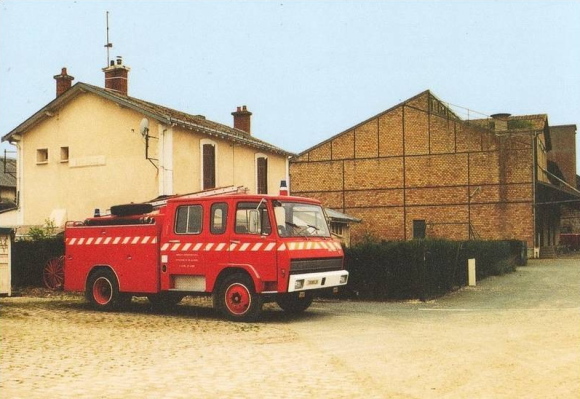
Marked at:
<point>299,266</point>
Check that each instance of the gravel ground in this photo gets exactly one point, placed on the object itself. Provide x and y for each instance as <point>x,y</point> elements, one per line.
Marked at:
<point>515,336</point>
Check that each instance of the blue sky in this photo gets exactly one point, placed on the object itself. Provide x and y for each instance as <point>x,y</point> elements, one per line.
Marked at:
<point>306,69</point>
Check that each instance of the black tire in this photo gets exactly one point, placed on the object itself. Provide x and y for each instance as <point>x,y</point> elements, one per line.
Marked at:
<point>292,303</point>
<point>237,299</point>
<point>165,300</point>
<point>103,291</point>
<point>131,209</point>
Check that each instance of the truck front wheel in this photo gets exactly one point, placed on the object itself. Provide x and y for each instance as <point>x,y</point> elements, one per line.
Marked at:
<point>293,303</point>
<point>236,298</point>
<point>103,290</point>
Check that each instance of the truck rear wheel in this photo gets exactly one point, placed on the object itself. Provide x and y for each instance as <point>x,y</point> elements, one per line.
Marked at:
<point>103,290</point>
<point>236,298</point>
<point>292,303</point>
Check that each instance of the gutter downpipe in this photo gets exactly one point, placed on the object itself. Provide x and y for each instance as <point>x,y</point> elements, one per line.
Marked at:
<point>534,182</point>
<point>288,173</point>
<point>19,181</point>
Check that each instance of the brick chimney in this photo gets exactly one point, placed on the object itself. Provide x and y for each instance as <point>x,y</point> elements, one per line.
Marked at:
<point>117,77</point>
<point>501,121</point>
<point>63,82</point>
<point>242,119</point>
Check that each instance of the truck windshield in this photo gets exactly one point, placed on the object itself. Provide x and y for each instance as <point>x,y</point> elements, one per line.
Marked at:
<point>294,219</point>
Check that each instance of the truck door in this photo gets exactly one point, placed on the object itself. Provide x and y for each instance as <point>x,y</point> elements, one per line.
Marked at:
<point>253,243</point>
<point>190,254</point>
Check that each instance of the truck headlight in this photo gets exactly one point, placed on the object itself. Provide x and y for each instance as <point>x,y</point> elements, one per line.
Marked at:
<point>298,284</point>
<point>343,279</point>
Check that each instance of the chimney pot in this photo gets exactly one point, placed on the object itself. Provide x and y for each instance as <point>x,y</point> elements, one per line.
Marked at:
<point>242,119</point>
<point>117,77</point>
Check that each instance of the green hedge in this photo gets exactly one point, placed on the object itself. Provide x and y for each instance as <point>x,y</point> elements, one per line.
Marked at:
<point>423,269</point>
<point>29,258</point>
<point>420,269</point>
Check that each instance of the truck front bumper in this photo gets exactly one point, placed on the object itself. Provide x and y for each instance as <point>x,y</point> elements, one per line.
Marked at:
<point>315,281</point>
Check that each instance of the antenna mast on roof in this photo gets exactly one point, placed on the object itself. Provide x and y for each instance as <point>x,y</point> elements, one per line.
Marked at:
<point>109,45</point>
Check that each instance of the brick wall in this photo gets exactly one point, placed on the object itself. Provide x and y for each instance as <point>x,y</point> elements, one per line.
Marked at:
<point>417,161</point>
<point>570,220</point>
<point>564,151</point>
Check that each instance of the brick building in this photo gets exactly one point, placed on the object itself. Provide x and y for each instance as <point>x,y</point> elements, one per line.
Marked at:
<point>419,170</point>
<point>562,164</point>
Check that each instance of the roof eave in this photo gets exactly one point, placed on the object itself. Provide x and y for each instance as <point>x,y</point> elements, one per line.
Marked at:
<point>44,113</point>
<point>126,103</point>
<point>170,120</point>
<point>225,136</point>
<point>162,118</point>
<point>428,92</point>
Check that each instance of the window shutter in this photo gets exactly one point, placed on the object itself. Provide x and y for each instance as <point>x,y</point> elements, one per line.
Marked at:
<point>208,166</point>
<point>262,175</point>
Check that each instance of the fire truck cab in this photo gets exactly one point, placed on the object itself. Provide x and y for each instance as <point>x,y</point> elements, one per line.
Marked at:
<point>244,250</point>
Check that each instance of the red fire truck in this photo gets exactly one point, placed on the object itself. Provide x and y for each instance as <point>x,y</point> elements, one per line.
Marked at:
<point>242,249</point>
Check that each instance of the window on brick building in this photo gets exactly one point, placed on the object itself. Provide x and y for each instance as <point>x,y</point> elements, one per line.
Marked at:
<point>419,229</point>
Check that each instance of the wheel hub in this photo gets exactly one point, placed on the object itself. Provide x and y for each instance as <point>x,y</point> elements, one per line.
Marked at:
<point>102,291</point>
<point>238,299</point>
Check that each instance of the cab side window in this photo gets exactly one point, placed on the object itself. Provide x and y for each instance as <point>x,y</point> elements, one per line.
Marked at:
<point>188,219</point>
<point>252,218</point>
<point>219,215</point>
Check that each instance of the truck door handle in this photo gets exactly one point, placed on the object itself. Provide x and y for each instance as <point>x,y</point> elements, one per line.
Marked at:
<point>235,241</point>
<point>174,241</point>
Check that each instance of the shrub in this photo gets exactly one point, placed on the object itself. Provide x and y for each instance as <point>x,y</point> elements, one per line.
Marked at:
<point>30,256</point>
<point>47,231</point>
<point>423,268</point>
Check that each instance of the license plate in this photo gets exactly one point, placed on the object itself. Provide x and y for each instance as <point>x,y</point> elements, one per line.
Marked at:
<point>312,282</point>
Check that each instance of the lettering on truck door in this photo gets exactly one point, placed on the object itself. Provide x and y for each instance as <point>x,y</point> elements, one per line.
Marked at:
<point>187,251</point>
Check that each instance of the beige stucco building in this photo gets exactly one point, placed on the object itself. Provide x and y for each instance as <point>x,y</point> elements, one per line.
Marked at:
<point>95,147</point>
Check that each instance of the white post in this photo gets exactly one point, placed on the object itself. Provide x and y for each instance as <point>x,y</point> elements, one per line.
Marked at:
<point>471,272</point>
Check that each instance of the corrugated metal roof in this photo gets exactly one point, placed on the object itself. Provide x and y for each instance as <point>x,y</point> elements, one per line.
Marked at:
<point>341,217</point>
